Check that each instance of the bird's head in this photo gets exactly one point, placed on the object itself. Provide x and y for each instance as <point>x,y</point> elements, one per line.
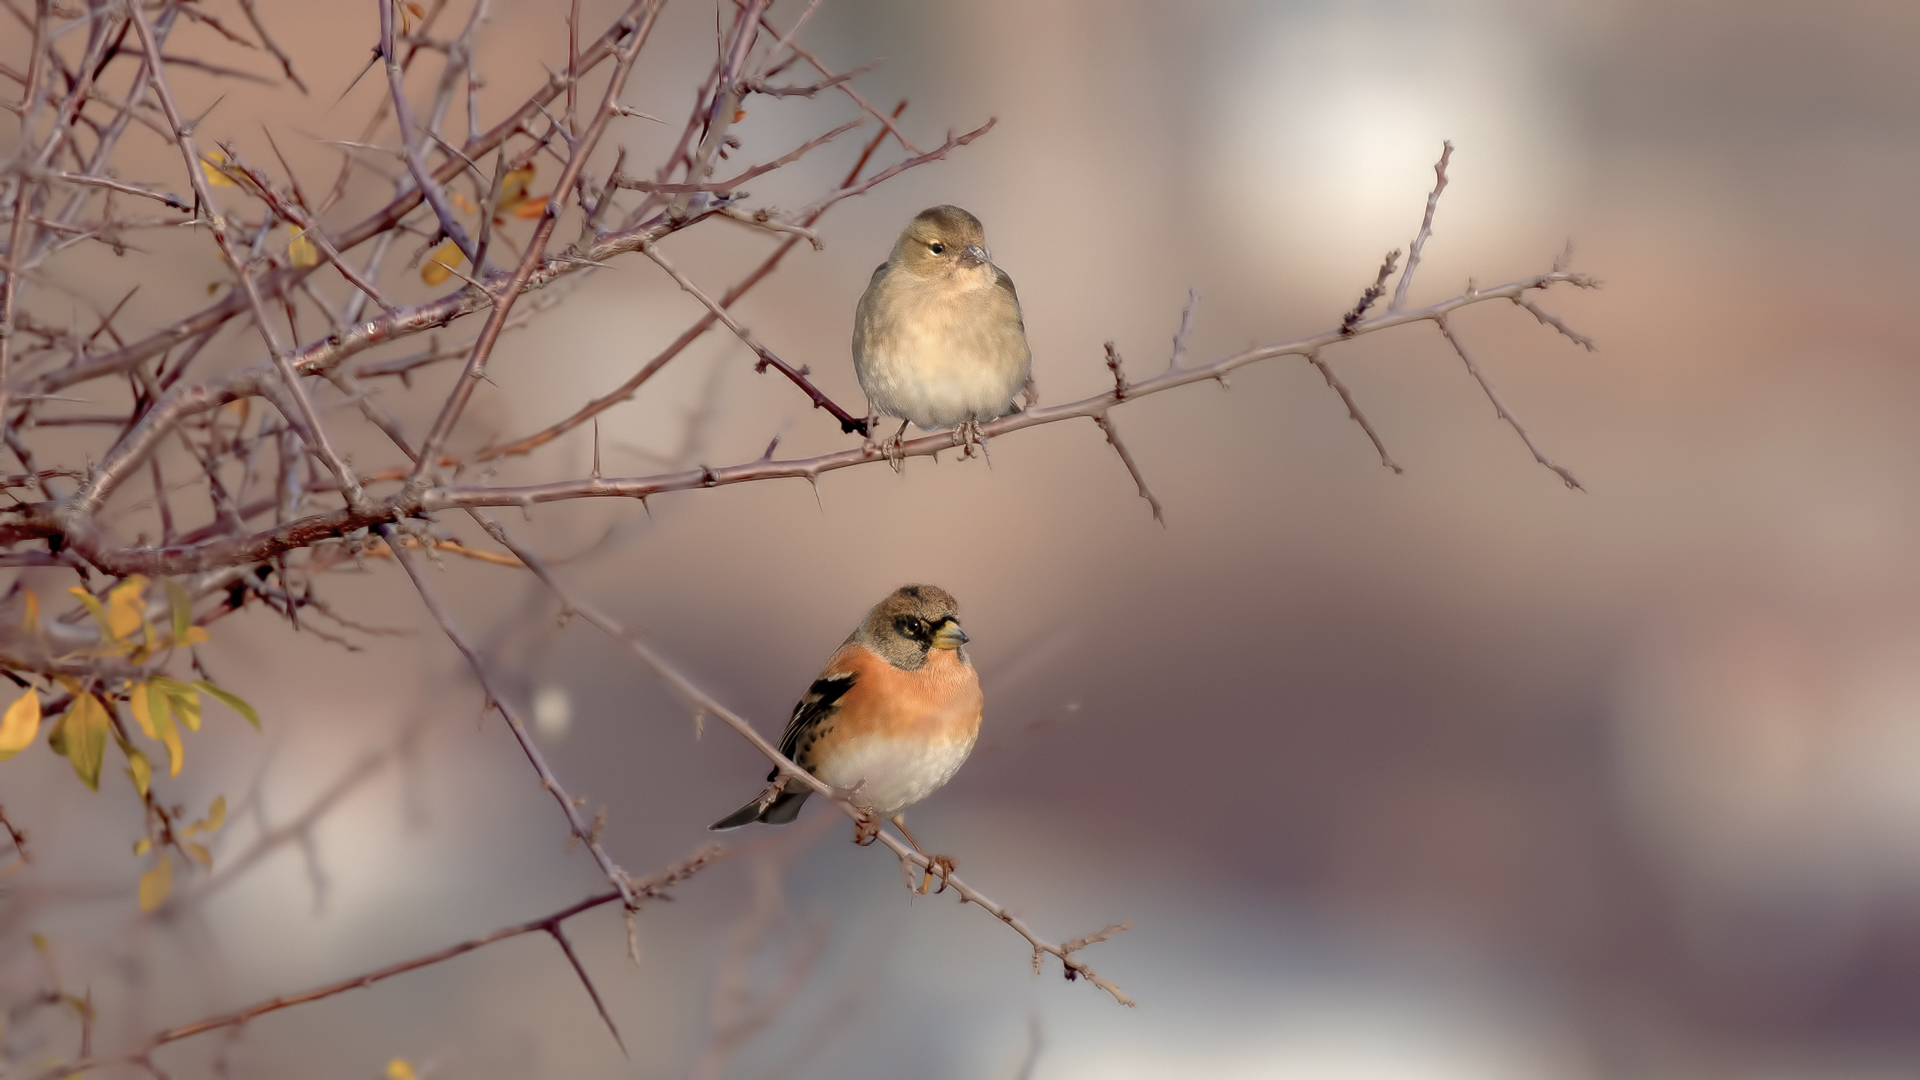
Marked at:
<point>941,240</point>
<point>911,624</point>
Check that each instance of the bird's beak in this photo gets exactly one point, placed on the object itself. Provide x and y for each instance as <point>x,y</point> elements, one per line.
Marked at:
<point>974,255</point>
<point>949,636</point>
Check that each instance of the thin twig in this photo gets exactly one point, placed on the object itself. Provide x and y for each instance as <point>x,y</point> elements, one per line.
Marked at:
<point>1499,407</point>
<point>1133,468</point>
<point>1353,410</point>
<point>1426,228</point>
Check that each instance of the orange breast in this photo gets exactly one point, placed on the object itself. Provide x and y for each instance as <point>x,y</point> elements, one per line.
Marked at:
<point>939,703</point>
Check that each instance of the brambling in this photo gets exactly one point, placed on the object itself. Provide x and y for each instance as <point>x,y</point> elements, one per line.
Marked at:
<point>938,339</point>
<point>889,719</point>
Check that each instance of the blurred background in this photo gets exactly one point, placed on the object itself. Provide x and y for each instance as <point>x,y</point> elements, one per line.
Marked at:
<point>1456,773</point>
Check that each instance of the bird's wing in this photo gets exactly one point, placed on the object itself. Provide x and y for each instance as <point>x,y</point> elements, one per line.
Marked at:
<point>1001,280</point>
<point>820,701</point>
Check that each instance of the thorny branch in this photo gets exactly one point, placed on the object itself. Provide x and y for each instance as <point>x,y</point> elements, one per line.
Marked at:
<point>649,888</point>
<point>276,486</point>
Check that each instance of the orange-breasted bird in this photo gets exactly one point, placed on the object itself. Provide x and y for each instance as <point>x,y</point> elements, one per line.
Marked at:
<point>891,717</point>
<point>938,338</point>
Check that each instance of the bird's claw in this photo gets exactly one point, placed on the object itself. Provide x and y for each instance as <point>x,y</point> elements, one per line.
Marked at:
<point>866,829</point>
<point>937,864</point>
<point>967,436</point>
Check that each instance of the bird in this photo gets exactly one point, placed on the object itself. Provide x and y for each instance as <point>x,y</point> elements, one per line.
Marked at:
<point>890,718</point>
<point>938,340</point>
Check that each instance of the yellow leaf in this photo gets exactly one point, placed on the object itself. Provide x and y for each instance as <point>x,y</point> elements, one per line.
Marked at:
<point>176,753</point>
<point>439,268</point>
<point>81,737</point>
<point>20,724</point>
<point>140,771</point>
<point>156,883</point>
<point>210,165</point>
<point>140,704</point>
<point>216,813</point>
<point>301,252</point>
<point>142,846</point>
<point>194,636</point>
<point>513,187</point>
<point>30,618</point>
<point>200,854</point>
<point>126,608</point>
<point>531,207</point>
<point>94,608</point>
<point>400,1069</point>
<point>465,204</point>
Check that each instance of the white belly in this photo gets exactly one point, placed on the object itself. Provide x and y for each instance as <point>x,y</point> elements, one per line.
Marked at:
<point>896,772</point>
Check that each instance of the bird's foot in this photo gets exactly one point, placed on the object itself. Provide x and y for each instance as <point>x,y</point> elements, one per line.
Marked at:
<point>967,436</point>
<point>937,864</point>
<point>866,829</point>
<point>896,452</point>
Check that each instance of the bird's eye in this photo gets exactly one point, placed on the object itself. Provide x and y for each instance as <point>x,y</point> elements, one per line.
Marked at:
<point>938,249</point>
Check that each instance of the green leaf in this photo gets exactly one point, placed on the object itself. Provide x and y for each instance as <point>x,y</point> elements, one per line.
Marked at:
<point>182,605</point>
<point>232,701</point>
<point>185,699</point>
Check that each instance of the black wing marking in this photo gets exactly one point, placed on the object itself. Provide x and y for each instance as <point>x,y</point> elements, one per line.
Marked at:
<point>820,701</point>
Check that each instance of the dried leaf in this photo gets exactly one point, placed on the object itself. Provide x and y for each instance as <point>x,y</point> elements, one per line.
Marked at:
<point>211,164</point>
<point>30,616</point>
<point>200,854</point>
<point>439,267</point>
<point>400,1069</point>
<point>465,204</point>
<point>19,724</point>
<point>531,207</point>
<point>142,846</point>
<point>140,771</point>
<point>156,883</point>
<point>513,187</point>
<point>216,813</point>
<point>301,252</point>
<point>231,701</point>
<point>126,607</point>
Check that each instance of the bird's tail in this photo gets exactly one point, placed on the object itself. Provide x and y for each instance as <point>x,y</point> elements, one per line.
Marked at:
<point>784,808</point>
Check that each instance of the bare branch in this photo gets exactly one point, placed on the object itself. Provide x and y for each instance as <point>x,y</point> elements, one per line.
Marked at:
<point>699,860</point>
<point>1373,292</point>
<point>1499,407</point>
<point>507,712</point>
<point>1353,410</point>
<point>1133,469</point>
<point>1426,228</point>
